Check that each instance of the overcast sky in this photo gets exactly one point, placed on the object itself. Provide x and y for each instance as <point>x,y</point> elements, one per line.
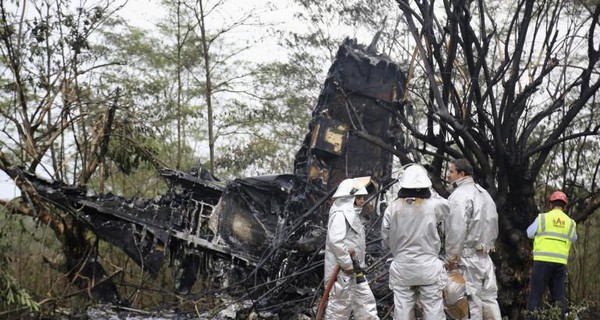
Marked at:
<point>8,190</point>
<point>266,13</point>
<point>142,13</point>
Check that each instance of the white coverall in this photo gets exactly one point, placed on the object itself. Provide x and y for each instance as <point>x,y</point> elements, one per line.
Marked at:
<point>346,231</point>
<point>471,230</point>
<point>409,229</point>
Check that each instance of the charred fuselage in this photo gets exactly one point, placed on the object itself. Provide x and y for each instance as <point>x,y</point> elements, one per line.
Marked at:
<point>263,237</point>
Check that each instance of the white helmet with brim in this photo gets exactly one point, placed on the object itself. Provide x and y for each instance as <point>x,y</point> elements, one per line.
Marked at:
<point>415,177</point>
<point>352,187</point>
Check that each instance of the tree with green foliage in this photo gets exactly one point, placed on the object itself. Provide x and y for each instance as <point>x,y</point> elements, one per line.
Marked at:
<point>215,69</point>
<point>57,118</point>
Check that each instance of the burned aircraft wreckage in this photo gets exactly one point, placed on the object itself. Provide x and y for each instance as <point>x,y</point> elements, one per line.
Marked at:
<point>262,238</point>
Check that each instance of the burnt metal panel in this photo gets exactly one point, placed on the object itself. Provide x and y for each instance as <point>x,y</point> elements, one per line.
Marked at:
<point>329,136</point>
<point>248,212</point>
<point>363,91</point>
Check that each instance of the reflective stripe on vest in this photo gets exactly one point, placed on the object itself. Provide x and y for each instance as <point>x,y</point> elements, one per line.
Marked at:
<point>553,238</point>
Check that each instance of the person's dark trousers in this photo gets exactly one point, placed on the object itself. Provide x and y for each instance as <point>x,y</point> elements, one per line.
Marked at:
<point>548,274</point>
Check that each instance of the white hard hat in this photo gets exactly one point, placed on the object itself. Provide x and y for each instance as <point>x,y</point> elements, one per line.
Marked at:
<point>352,187</point>
<point>415,177</point>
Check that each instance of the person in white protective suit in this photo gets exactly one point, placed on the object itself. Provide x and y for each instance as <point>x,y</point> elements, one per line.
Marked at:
<point>345,232</point>
<point>409,229</point>
<point>471,230</point>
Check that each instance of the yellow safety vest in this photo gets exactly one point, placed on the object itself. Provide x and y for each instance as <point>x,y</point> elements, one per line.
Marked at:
<point>553,238</point>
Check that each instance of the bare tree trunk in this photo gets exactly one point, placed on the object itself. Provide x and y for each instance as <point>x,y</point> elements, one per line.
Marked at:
<point>208,95</point>
<point>179,88</point>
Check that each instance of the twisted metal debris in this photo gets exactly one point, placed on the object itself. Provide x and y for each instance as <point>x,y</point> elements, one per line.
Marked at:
<point>261,238</point>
